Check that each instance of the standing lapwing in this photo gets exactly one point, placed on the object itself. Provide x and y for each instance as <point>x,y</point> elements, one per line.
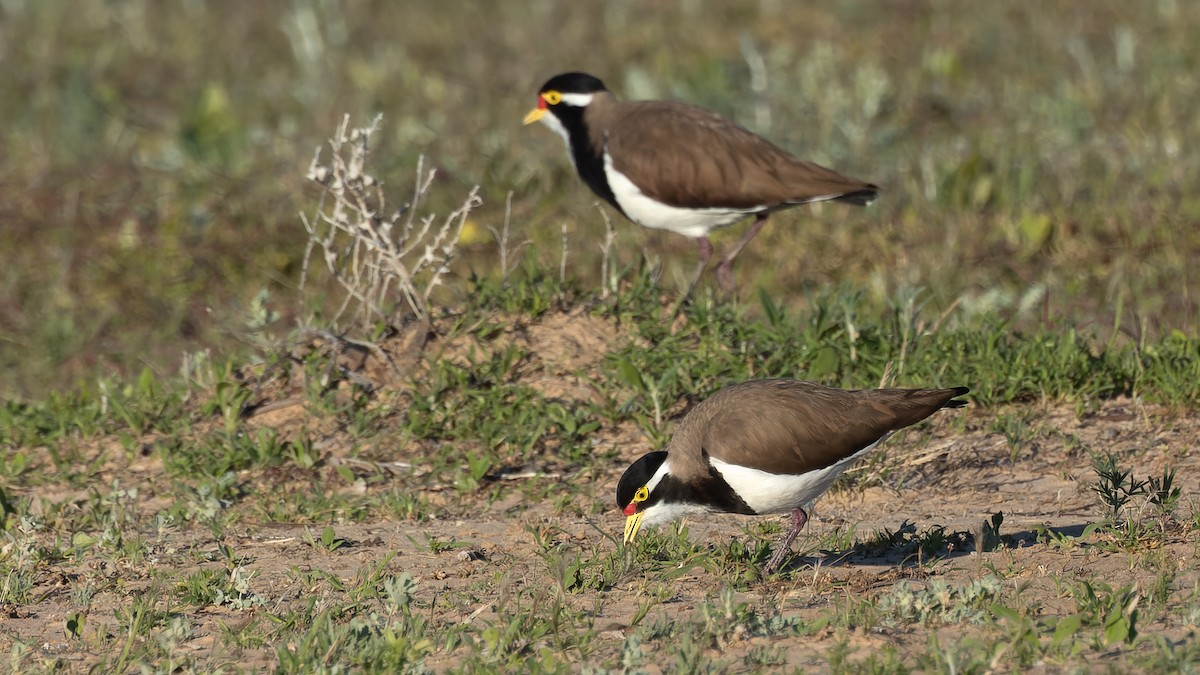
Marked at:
<point>673,166</point>
<point>767,446</point>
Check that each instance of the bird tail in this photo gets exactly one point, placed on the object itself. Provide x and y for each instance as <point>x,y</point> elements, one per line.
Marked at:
<point>957,402</point>
<point>861,197</point>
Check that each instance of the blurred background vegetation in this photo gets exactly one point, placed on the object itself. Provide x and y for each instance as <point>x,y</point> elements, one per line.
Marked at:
<point>1037,159</point>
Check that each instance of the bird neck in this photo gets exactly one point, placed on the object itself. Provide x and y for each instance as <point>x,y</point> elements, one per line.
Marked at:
<point>587,155</point>
<point>710,491</point>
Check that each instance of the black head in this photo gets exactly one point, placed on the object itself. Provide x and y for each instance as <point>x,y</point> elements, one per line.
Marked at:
<point>573,83</point>
<point>637,475</point>
<point>561,105</point>
<point>669,497</point>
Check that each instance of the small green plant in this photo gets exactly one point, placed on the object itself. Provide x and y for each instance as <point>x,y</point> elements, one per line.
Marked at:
<point>939,602</point>
<point>1020,633</point>
<point>398,593</point>
<point>1164,494</point>
<point>1170,656</point>
<point>725,618</point>
<point>75,624</point>
<point>1017,432</point>
<point>229,400</point>
<point>302,454</point>
<point>328,541</point>
<point>668,549</point>
<point>141,614</point>
<point>1061,540</point>
<point>203,586</point>
<point>82,593</point>
<point>1116,612</point>
<point>367,642</point>
<point>237,593</point>
<point>991,533</point>
<point>656,595</point>
<point>739,559</point>
<point>15,586</point>
<point>1115,486</point>
<point>840,538</point>
<point>1125,497</point>
<point>436,545</point>
<point>521,621</point>
<point>651,396</point>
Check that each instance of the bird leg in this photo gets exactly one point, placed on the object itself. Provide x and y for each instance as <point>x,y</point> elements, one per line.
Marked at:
<point>725,268</point>
<point>799,518</point>
<point>706,251</point>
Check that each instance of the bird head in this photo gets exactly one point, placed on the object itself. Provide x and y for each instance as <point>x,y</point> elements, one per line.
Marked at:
<point>645,494</point>
<point>562,97</point>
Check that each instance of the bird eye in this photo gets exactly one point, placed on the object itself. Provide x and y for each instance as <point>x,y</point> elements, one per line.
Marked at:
<point>641,495</point>
<point>553,97</point>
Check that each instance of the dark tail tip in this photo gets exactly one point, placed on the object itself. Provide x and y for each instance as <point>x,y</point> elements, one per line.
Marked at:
<point>861,197</point>
<point>956,402</point>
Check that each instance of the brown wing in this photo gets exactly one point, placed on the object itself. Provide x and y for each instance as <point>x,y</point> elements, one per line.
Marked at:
<point>687,156</point>
<point>790,427</point>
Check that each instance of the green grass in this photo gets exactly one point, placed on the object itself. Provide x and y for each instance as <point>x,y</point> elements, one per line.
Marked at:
<point>1032,158</point>
<point>472,417</point>
<point>187,459</point>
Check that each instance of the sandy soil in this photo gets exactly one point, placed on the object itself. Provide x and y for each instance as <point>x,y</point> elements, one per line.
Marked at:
<point>934,476</point>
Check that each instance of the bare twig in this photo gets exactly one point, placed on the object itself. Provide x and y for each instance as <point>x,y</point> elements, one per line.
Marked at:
<point>501,237</point>
<point>371,256</point>
<point>562,263</point>
<point>610,236</point>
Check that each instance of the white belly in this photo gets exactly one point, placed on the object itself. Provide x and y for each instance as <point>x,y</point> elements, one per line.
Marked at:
<point>650,213</point>
<point>772,493</point>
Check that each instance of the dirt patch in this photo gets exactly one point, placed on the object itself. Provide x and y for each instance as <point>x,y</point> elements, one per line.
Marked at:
<point>937,475</point>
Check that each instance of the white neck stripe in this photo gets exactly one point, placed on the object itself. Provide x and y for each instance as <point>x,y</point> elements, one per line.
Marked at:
<point>663,470</point>
<point>577,100</point>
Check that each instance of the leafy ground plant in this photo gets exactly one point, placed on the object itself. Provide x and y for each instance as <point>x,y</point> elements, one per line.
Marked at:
<point>1137,509</point>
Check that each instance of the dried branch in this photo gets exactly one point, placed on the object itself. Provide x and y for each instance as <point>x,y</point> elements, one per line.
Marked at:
<point>374,257</point>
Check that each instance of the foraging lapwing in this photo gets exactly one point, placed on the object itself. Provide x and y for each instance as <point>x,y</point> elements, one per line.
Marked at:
<point>767,446</point>
<point>673,166</point>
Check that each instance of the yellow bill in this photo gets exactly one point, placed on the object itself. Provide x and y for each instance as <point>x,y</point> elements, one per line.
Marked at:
<point>535,115</point>
<point>632,523</point>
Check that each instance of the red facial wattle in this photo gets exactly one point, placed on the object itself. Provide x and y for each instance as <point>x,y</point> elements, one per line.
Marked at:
<point>631,509</point>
